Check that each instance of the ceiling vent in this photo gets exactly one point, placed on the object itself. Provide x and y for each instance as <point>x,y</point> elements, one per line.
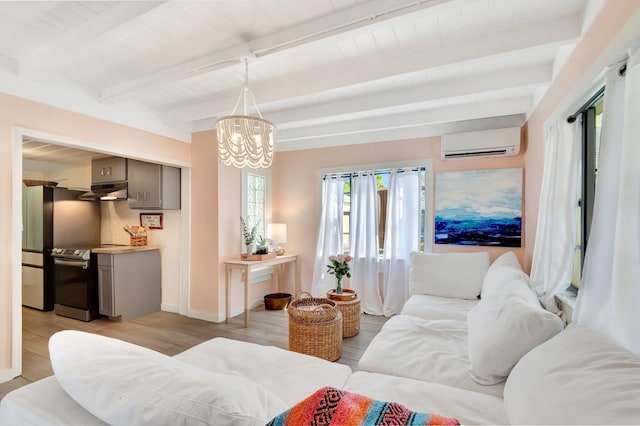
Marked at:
<point>483,143</point>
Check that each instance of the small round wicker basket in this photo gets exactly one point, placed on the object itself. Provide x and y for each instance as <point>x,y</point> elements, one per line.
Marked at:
<point>315,327</point>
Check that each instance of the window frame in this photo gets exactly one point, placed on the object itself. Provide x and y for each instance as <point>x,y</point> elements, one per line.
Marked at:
<point>587,183</point>
<point>266,174</point>
<point>425,163</point>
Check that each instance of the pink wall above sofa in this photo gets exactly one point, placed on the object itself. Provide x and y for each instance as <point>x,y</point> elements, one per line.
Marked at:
<point>297,201</point>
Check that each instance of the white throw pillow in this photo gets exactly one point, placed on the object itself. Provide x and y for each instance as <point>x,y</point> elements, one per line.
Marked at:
<point>503,328</point>
<point>503,270</point>
<point>456,275</point>
<point>124,384</point>
<point>577,377</point>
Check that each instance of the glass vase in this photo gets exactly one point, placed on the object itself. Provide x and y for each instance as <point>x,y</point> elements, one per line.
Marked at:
<point>339,286</point>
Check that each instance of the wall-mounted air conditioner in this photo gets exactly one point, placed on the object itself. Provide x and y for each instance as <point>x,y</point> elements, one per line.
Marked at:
<point>483,143</point>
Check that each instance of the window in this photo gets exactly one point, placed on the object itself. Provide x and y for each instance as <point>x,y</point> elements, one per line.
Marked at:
<point>256,199</point>
<point>382,178</point>
<point>591,125</point>
<point>256,188</point>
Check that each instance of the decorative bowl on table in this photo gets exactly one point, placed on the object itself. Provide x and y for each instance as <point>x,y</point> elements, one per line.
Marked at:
<point>277,301</point>
<point>346,296</point>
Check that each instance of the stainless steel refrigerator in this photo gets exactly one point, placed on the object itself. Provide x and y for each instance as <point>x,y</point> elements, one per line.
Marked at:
<point>52,217</point>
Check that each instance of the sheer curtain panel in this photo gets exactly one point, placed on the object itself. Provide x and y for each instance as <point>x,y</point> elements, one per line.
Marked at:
<point>609,295</point>
<point>402,237</point>
<point>556,233</point>
<point>329,234</point>
<point>364,241</point>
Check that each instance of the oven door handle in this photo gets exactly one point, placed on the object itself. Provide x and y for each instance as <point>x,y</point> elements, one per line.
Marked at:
<point>74,263</point>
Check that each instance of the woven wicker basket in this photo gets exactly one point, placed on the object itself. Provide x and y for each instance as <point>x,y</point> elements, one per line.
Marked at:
<point>138,241</point>
<point>315,327</point>
<point>350,317</point>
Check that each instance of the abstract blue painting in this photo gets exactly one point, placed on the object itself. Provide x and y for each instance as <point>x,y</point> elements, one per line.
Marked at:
<point>479,207</point>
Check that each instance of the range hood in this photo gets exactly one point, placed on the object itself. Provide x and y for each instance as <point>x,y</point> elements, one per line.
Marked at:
<point>106,192</point>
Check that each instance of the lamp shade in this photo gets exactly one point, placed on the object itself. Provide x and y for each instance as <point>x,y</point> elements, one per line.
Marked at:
<point>277,232</point>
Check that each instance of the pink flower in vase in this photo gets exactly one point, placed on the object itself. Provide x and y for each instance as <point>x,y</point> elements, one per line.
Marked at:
<point>339,267</point>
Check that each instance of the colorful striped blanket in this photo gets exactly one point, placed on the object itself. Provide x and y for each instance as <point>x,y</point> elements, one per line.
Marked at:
<point>330,406</point>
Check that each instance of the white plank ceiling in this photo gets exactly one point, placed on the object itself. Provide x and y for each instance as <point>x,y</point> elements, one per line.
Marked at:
<point>326,72</point>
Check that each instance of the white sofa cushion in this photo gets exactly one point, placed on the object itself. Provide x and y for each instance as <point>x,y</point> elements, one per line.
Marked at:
<point>577,377</point>
<point>44,403</point>
<point>468,407</point>
<point>503,270</point>
<point>121,383</point>
<point>505,326</point>
<point>456,275</point>
<point>269,366</point>
<point>436,308</point>
<point>432,351</point>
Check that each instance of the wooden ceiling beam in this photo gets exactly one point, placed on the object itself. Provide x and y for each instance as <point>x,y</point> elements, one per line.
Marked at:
<point>53,52</point>
<point>523,41</point>
<point>362,15</point>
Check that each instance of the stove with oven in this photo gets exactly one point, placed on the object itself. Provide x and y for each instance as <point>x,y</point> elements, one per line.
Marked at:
<point>75,282</point>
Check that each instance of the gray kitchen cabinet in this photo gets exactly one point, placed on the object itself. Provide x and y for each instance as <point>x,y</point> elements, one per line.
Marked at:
<point>109,169</point>
<point>129,283</point>
<point>153,186</point>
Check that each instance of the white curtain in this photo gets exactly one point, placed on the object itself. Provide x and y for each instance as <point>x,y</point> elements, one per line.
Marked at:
<point>555,244</point>
<point>329,234</point>
<point>402,236</point>
<point>364,241</point>
<point>609,296</point>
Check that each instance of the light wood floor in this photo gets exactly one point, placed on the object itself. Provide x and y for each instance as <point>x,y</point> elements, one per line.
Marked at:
<point>170,334</point>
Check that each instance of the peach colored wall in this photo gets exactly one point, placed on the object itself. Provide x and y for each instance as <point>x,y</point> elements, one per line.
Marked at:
<point>19,112</point>
<point>296,197</point>
<point>607,24</point>
<point>203,293</point>
<point>229,243</point>
<point>215,221</point>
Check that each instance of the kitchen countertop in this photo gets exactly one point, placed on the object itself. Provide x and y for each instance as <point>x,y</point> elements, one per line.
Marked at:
<point>116,249</point>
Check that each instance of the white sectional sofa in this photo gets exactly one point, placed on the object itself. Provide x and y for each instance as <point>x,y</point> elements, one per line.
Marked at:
<point>445,289</point>
<point>431,358</point>
<point>99,380</point>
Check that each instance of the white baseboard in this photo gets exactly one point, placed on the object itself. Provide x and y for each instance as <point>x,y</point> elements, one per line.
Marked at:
<point>169,308</point>
<point>220,317</point>
<point>205,316</point>
<point>7,375</point>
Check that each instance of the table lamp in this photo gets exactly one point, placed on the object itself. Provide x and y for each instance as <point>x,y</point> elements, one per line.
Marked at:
<point>277,233</point>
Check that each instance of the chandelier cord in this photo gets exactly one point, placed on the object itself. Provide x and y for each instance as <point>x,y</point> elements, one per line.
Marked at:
<point>245,140</point>
<point>245,89</point>
<point>246,72</point>
<point>244,93</point>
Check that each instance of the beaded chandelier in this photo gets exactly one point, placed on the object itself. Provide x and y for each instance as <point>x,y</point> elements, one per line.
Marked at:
<point>245,140</point>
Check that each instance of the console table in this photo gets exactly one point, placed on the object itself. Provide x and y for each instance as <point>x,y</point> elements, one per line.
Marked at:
<point>247,267</point>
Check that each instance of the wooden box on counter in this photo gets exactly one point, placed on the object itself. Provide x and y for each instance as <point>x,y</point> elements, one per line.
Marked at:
<point>246,256</point>
<point>138,241</point>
